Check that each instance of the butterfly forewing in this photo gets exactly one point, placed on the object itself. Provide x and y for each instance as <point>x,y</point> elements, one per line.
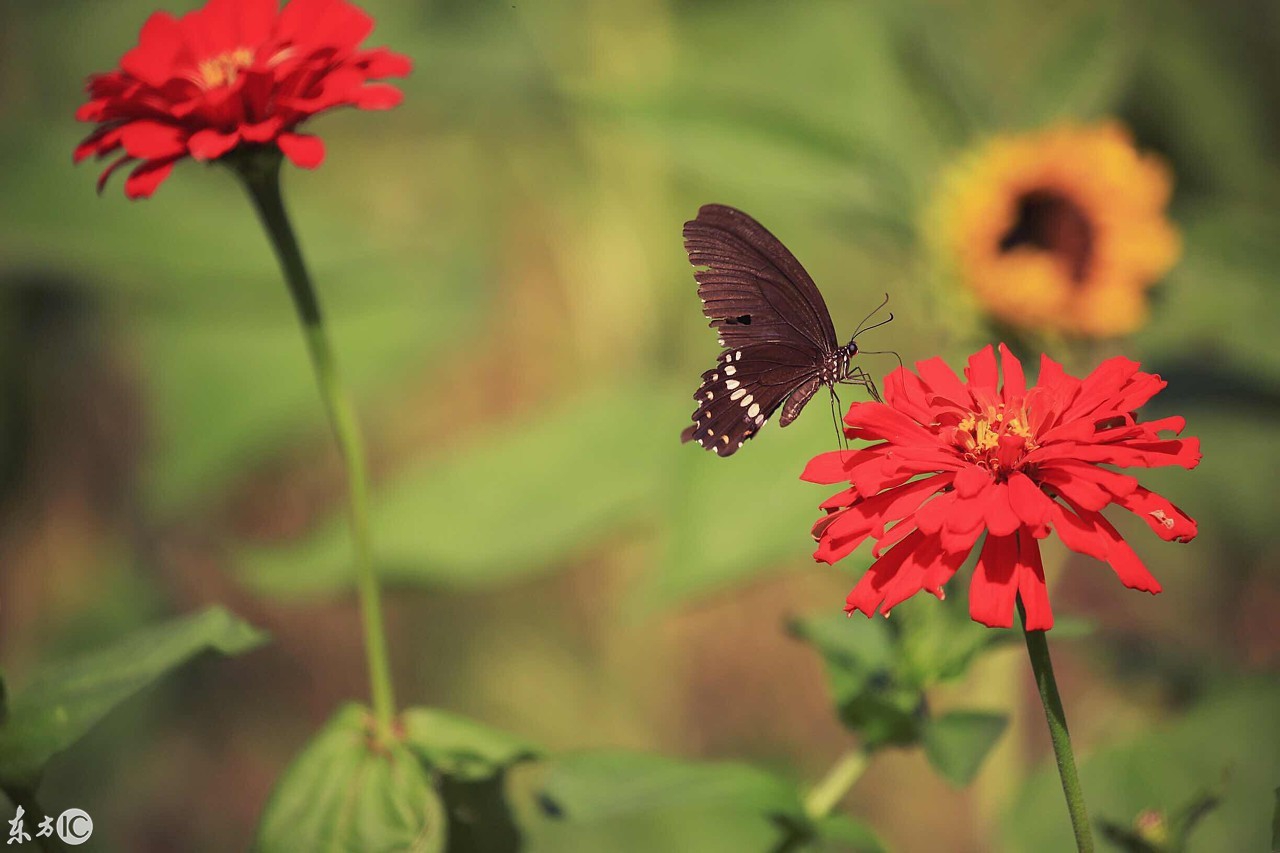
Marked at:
<point>753,289</point>
<point>772,321</point>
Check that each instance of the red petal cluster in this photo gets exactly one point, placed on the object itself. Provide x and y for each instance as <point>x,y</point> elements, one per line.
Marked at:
<point>233,72</point>
<point>952,460</point>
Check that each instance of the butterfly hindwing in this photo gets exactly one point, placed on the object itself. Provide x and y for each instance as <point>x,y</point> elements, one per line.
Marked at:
<point>743,390</point>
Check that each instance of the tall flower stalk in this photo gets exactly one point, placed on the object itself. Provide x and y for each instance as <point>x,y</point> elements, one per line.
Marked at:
<point>233,81</point>
<point>1047,685</point>
<point>259,170</point>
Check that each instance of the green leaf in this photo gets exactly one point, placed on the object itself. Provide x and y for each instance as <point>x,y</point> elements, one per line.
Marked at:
<point>864,670</point>
<point>344,793</point>
<point>461,748</point>
<point>480,816</point>
<point>956,743</point>
<point>593,786</point>
<point>64,700</point>
<point>843,834</point>
<point>1152,831</point>
<point>510,504</point>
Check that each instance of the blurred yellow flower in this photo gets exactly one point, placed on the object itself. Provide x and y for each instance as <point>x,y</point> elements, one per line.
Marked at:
<point>1063,229</point>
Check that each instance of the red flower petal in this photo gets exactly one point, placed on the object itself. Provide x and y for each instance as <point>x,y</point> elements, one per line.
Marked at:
<point>982,372</point>
<point>943,382</point>
<point>1001,519</point>
<point>831,467</point>
<point>869,592</point>
<point>151,140</point>
<point>1015,381</point>
<point>159,45</point>
<point>995,586</point>
<point>210,144</point>
<point>1032,505</point>
<point>144,180</point>
<point>378,96</point>
<point>1087,485</point>
<point>305,152</point>
<point>876,420</point>
<point>107,172</point>
<point>1184,452</point>
<point>264,131</point>
<point>1031,586</point>
<point>1169,522</point>
<point>380,62</point>
<point>1089,533</point>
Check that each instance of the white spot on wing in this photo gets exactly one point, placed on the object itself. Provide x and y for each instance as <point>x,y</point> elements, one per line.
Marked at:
<point>736,394</point>
<point>746,401</point>
<point>754,410</point>
<point>731,384</point>
<point>730,370</point>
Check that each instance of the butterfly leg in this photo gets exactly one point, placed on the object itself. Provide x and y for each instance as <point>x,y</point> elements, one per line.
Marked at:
<point>858,376</point>
<point>836,408</point>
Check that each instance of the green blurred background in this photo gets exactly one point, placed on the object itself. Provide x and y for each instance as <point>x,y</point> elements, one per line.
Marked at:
<point>501,261</point>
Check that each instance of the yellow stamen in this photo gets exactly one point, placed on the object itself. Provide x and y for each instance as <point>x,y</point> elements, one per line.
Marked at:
<point>223,70</point>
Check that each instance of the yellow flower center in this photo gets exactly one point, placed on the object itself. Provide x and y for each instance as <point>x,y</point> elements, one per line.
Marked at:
<point>996,439</point>
<point>1051,222</point>
<point>223,70</point>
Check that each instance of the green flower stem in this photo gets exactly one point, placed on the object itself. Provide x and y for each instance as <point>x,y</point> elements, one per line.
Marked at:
<point>260,171</point>
<point>839,779</point>
<point>1038,649</point>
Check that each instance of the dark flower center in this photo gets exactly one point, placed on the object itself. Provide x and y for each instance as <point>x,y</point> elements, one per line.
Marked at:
<point>1055,224</point>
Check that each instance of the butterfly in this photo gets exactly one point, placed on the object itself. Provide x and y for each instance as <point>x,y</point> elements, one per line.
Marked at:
<point>779,342</point>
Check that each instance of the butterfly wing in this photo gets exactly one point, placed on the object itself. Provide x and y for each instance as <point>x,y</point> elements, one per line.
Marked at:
<point>746,386</point>
<point>753,289</point>
<point>772,321</point>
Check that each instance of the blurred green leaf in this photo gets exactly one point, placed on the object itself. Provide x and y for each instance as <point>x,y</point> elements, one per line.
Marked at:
<point>459,747</point>
<point>472,760</point>
<point>344,793</point>
<point>480,816</point>
<point>864,670</point>
<point>1154,832</point>
<point>594,786</point>
<point>843,834</point>
<point>508,505</point>
<point>1167,765</point>
<point>957,742</point>
<point>628,802</point>
<point>64,700</point>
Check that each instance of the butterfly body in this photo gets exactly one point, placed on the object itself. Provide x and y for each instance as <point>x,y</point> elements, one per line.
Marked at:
<point>780,343</point>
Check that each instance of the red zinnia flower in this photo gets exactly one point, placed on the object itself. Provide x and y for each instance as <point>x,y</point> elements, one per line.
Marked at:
<point>234,72</point>
<point>954,460</point>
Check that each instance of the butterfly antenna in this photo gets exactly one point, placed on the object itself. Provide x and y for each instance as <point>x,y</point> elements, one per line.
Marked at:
<point>883,303</point>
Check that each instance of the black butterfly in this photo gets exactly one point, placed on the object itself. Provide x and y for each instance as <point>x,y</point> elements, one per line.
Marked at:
<point>780,344</point>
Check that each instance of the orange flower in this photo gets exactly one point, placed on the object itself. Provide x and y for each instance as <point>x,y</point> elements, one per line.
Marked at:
<point>1062,230</point>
